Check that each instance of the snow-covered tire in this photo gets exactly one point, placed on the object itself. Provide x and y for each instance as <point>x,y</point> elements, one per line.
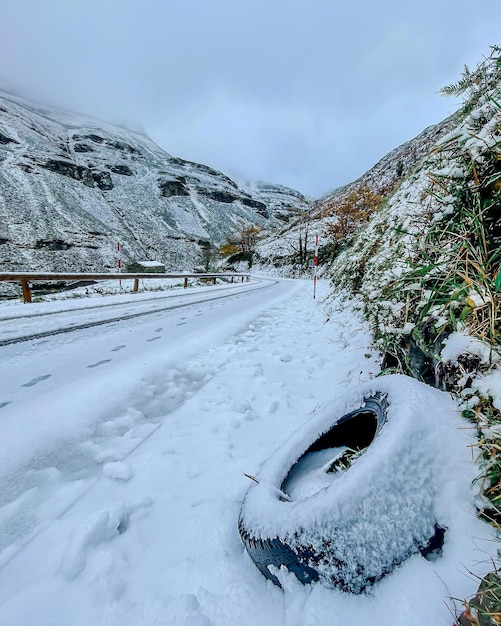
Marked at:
<point>368,518</point>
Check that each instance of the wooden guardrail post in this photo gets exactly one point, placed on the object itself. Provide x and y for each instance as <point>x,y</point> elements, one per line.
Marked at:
<point>26,290</point>
<point>185,281</point>
<point>136,285</point>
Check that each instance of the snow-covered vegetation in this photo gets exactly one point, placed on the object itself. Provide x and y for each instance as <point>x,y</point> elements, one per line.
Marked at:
<point>423,259</point>
<point>426,267</point>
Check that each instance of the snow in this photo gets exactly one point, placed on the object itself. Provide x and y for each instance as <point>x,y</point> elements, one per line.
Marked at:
<point>40,205</point>
<point>459,343</point>
<point>125,447</point>
<point>490,386</point>
<point>309,476</point>
<point>419,476</point>
<point>150,263</point>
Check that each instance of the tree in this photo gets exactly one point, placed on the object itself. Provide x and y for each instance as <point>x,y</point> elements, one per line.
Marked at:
<point>353,212</point>
<point>241,246</point>
<point>228,248</point>
<point>303,225</point>
<point>248,239</point>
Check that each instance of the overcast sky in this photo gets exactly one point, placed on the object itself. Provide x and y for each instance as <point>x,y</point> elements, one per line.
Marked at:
<point>307,93</point>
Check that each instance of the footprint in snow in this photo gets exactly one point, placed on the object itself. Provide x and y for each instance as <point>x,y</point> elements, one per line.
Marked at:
<point>37,380</point>
<point>117,348</point>
<point>117,470</point>
<point>182,324</point>
<point>99,363</point>
<point>158,330</point>
<point>2,404</point>
<point>154,338</point>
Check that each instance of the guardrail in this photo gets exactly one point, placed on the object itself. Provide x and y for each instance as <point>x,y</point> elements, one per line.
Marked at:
<point>26,278</point>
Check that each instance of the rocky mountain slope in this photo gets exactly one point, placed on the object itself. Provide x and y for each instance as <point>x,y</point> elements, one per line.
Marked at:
<point>383,178</point>
<point>71,188</point>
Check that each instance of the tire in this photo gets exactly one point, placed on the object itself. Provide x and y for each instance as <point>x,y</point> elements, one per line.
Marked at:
<point>356,525</point>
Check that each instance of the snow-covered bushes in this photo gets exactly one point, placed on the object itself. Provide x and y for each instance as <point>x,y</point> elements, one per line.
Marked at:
<point>427,268</point>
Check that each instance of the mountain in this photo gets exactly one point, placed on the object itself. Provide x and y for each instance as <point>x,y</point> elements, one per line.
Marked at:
<point>71,188</point>
<point>387,173</point>
<point>287,246</point>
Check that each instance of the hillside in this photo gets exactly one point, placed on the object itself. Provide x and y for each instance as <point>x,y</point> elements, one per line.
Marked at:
<point>425,267</point>
<point>283,248</point>
<point>417,242</point>
<point>71,188</point>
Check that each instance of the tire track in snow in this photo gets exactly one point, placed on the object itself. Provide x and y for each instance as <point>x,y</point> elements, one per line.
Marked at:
<point>171,294</point>
<point>69,329</point>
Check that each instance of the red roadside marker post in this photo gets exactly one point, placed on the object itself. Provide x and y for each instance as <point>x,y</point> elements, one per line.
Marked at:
<point>315,266</point>
<point>119,264</point>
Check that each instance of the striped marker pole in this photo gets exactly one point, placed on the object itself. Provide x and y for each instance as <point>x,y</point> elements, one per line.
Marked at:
<point>119,264</point>
<point>315,266</point>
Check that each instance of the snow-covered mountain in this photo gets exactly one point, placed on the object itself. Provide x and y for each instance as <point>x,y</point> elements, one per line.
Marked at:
<point>389,171</point>
<point>283,247</point>
<point>71,188</point>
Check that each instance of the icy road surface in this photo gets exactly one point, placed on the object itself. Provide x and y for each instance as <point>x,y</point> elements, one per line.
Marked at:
<point>124,448</point>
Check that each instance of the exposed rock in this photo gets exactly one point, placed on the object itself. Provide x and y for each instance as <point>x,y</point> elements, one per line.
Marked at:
<point>256,204</point>
<point>124,147</point>
<point>176,187</point>
<point>82,147</point>
<point>103,180</point>
<point>27,168</point>
<point>81,173</point>
<point>72,170</point>
<point>54,244</point>
<point>94,138</point>
<point>203,168</point>
<point>123,170</point>
<point>162,206</point>
<point>5,140</point>
<point>220,196</point>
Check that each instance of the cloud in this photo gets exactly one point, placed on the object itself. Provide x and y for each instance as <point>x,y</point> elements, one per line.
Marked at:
<point>305,93</point>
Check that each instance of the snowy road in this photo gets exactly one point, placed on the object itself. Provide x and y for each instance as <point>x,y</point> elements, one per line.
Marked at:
<point>66,336</point>
<point>124,448</point>
<point>16,328</point>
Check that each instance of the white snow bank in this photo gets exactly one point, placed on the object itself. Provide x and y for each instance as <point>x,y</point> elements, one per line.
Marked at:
<point>459,343</point>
